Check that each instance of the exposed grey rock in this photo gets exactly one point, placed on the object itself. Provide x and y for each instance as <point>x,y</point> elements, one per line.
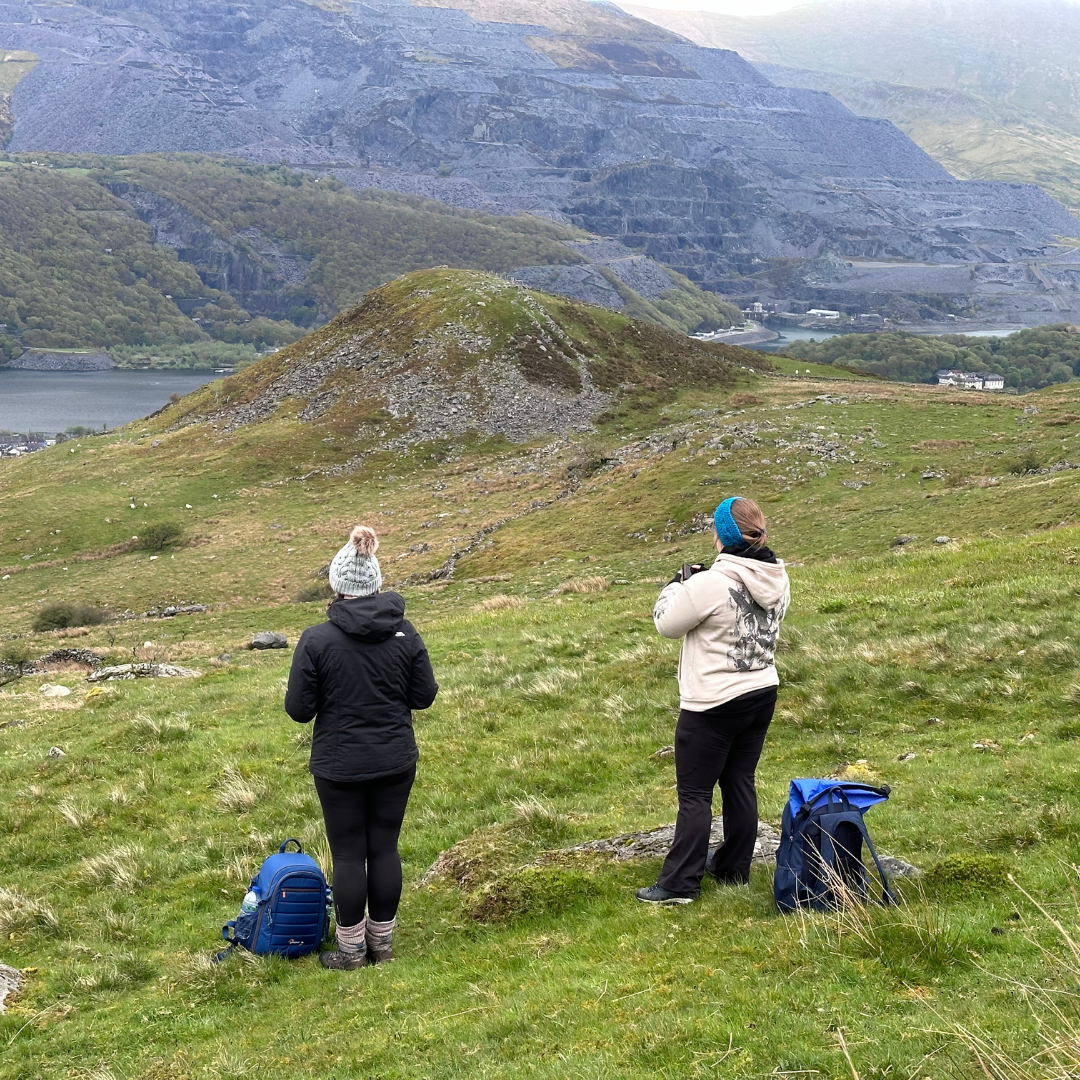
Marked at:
<point>942,539</point>
<point>141,671</point>
<point>67,656</point>
<point>656,842</point>
<point>900,541</point>
<point>10,980</point>
<point>56,752</point>
<point>269,639</point>
<point>43,360</point>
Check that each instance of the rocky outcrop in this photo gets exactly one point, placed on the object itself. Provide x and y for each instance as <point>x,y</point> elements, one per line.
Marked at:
<point>43,360</point>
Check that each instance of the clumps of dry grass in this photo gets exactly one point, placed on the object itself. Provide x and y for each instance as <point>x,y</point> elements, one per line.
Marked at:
<point>238,794</point>
<point>123,868</point>
<point>942,444</point>
<point>740,400</point>
<point>148,733</point>
<point>582,585</point>
<point>551,684</point>
<point>20,914</point>
<point>500,602</point>
<point>74,814</point>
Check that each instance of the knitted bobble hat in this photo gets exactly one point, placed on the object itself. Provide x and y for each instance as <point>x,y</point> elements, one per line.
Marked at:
<point>355,570</point>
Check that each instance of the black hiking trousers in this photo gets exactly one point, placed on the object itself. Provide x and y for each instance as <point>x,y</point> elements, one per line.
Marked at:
<point>721,745</point>
<point>363,823</point>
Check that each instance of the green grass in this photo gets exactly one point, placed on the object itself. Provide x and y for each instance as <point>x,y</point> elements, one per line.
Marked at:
<point>125,855</point>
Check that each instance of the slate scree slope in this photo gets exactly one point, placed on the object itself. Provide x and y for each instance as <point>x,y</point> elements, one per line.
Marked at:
<point>688,154</point>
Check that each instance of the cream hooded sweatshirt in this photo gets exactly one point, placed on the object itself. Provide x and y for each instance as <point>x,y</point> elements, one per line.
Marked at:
<point>729,619</point>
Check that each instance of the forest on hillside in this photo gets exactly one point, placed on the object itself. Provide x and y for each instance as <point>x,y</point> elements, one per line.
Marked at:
<point>1028,360</point>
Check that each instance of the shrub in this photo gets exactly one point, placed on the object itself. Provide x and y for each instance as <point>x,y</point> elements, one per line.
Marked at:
<point>957,877</point>
<point>737,400</point>
<point>1025,463</point>
<point>160,536</point>
<point>61,616</point>
<point>534,890</point>
<point>308,594</point>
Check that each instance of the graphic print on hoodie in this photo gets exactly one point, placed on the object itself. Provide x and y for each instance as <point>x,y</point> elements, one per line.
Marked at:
<point>757,631</point>
<point>729,618</point>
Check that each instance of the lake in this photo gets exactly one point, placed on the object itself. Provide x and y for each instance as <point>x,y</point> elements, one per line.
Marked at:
<point>791,334</point>
<point>52,401</point>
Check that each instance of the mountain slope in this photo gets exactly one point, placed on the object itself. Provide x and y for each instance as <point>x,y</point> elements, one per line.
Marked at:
<point>687,154</point>
<point>1020,56</point>
<point>132,236</point>
<point>987,87</point>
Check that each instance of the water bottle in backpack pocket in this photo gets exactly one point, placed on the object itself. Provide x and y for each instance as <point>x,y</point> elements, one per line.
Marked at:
<point>286,909</point>
<point>819,863</point>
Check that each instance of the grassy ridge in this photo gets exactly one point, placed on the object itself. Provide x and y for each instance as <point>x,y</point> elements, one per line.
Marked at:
<point>125,854</point>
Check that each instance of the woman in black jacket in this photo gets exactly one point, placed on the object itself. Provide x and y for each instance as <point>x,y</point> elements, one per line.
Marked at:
<point>358,676</point>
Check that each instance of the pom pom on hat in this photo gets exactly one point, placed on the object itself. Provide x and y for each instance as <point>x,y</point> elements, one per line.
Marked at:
<point>365,541</point>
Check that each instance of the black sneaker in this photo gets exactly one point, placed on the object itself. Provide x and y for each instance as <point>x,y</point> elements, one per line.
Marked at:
<point>343,961</point>
<point>657,894</point>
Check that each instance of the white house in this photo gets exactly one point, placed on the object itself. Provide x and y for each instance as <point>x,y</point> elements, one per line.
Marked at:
<point>970,380</point>
<point>823,313</point>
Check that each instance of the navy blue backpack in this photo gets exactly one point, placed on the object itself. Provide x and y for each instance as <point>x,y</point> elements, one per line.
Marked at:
<point>819,861</point>
<point>292,913</point>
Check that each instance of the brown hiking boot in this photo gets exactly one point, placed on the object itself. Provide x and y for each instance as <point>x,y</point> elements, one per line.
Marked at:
<point>379,956</point>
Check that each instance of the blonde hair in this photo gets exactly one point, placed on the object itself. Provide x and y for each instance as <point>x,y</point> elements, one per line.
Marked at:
<point>751,521</point>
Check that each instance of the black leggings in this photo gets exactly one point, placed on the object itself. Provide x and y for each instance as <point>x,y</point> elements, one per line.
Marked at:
<point>363,822</point>
<point>721,745</point>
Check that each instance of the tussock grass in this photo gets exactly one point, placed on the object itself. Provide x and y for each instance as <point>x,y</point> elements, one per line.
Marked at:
<point>501,602</point>
<point>236,793</point>
<point>123,868</point>
<point>583,585</point>
<point>19,914</point>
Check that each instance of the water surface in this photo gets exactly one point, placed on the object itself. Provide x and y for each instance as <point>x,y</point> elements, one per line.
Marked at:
<point>52,401</point>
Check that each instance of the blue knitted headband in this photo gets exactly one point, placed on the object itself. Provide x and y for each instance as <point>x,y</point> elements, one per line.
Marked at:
<point>729,533</point>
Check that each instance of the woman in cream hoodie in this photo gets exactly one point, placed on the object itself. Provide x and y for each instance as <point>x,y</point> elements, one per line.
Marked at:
<point>728,616</point>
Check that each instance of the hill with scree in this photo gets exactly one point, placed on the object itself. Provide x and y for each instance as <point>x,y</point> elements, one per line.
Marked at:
<point>442,353</point>
<point>933,545</point>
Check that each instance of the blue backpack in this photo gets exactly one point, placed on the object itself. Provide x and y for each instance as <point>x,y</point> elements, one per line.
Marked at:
<point>292,916</point>
<point>819,861</point>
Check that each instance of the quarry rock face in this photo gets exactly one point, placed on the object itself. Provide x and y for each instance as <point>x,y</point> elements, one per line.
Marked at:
<point>686,154</point>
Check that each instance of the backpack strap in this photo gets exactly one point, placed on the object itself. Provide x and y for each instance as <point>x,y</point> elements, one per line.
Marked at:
<point>224,954</point>
<point>291,840</point>
<point>887,895</point>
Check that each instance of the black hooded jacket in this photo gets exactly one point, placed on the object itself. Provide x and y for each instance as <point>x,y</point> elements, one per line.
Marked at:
<point>359,675</point>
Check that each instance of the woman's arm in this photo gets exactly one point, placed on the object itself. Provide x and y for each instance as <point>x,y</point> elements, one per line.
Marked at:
<point>675,613</point>
<point>302,695</point>
<point>422,684</point>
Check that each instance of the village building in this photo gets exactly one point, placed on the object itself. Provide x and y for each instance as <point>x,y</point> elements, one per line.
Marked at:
<point>970,380</point>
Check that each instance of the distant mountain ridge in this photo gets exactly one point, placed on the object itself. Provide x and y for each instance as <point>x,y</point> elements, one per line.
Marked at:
<point>689,155</point>
<point>990,88</point>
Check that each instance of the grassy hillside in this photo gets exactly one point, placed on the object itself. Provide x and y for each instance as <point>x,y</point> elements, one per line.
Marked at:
<point>987,87</point>
<point>78,268</point>
<point>947,669</point>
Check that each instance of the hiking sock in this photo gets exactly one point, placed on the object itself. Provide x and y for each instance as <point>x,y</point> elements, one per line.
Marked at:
<point>352,940</point>
<point>380,935</point>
